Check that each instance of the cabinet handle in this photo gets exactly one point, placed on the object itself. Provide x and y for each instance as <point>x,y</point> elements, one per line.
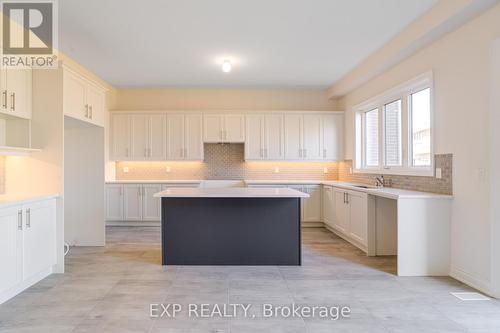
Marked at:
<point>225,135</point>
<point>221,135</point>
<point>126,152</point>
<point>300,152</point>
<point>86,110</point>
<point>13,100</point>
<point>28,218</point>
<point>265,152</point>
<point>185,152</point>
<point>90,111</point>
<point>305,153</point>
<point>121,191</point>
<point>20,220</point>
<point>347,198</point>
<point>324,153</point>
<point>4,99</point>
<point>150,152</point>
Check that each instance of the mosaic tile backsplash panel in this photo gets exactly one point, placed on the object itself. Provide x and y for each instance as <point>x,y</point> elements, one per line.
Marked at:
<point>226,161</point>
<point>415,183</point>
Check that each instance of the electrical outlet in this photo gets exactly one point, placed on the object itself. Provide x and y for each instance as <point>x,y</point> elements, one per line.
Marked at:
<point>125,169</point>
<point>168,169</point>
<point>350,171</point>
<point>325,170</point>
<point>438,173</point>
<point>276,170</point>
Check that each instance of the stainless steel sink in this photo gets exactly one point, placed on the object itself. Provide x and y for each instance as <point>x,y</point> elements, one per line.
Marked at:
<point>362,186</point>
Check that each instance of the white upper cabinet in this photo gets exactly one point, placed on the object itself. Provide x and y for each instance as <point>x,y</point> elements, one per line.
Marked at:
<point>175,137</point>
<point>313,137</point>
<point>333,137</point>
<point>193,142</point>
<point>223,128</point>
<point>157,137</point>
<point>264,137</point>
<point>312,134</point>
<point>293,137</point>
<point>140,137</point>
<point>16,92</point>
<point>121,137</point>
<point>83,99</point>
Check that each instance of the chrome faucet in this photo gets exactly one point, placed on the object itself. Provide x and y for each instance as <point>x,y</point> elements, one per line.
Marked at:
<point>380,181</point>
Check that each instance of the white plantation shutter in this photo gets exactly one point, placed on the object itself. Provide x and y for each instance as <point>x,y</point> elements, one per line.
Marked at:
<point>392,135</point>
<point>371,138</point>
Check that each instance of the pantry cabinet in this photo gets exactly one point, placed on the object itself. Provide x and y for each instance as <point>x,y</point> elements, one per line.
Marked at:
<point>16,92</point>
<point>219,128</point>
<point>264,137</point>
<point>83,99</point>
<point>27,245</point>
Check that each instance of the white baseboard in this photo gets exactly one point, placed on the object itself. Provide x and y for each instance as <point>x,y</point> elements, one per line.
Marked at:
<point>17,289</point>
<point>472,281</point>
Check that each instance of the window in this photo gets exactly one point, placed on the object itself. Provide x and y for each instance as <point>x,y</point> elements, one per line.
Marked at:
<point>392,134</point>
<point>394,130</point>
<point>420,110</point>
<point>371,135</point>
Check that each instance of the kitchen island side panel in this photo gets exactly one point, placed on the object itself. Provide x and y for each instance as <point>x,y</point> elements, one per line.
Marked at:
<point>231,231</point>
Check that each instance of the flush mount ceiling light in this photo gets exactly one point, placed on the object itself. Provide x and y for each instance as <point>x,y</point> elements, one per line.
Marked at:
<point>226,66</point>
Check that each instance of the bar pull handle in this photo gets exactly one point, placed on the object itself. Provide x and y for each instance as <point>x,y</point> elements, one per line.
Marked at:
<point>4,99</point>
<point>90,111</point>
<point>28,218</point>
<point>20,220</point>
<point>86,110</point>
<point>13,101</point>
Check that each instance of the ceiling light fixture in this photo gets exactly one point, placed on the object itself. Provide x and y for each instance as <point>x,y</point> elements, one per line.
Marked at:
<point>226,66</point>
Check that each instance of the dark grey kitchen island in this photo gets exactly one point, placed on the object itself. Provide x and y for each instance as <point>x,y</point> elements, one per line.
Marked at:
<point>231,226</point>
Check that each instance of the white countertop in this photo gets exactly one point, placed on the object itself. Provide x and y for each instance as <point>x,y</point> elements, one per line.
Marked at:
<point>283,182</point>
<point>12,200</point>
<point>154,181</point>
<point>387,192</point>
<point>232,192</point>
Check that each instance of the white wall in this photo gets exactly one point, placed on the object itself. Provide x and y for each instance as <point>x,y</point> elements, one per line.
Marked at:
<point>460,62</point>
<point>495,166</point>
<point>83,183</point>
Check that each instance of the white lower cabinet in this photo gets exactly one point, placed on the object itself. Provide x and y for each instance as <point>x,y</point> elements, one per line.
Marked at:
<point>27,245</point>
<point>136,202</point>
<point>345,213</point>
<point>312,205</point>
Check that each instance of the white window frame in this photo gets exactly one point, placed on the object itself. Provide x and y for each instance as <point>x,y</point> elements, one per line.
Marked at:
<point>402,92</point>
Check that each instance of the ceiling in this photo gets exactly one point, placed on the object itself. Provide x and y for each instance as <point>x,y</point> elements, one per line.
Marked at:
<point>271,43</point>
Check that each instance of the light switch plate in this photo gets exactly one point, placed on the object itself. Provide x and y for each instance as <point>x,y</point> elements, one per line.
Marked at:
<point>438,173</point>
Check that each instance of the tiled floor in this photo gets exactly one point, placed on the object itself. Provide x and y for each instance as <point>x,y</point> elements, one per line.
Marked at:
<point>110,290</point>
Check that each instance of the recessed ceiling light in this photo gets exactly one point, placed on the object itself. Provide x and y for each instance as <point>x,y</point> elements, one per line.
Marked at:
<point>227,66</point>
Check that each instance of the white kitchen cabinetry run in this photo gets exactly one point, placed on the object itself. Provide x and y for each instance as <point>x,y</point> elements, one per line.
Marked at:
<point>83,99</point>
<point>16,92</point>
<point>219,128</point>
<point>264,137</point>
<point>313,137</point>
<point>345,213</point>
<point>135,202</point>
<point>27,245</point>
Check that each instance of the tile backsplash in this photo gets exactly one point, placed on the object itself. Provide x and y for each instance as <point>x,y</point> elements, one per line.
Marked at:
<point>226,161</point>
<point>415,183</point>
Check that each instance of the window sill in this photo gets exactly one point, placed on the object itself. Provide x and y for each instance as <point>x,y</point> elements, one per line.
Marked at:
<point>398,172</point>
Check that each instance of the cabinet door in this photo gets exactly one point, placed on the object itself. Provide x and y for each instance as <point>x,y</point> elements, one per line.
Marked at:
<point>114,202</point>
<point>328,203</point>
<point>254,145</point>
<point>175,137</point>
<point>293,137</point>
<point>151,205</point>
<point>193,137</point>
<point>39,246</point>
<point>333,134</point>
<point>340,222</point>
<point>140,137</point>
<point>11,247</point>
<point>121,137</point>
<point>234,128</point>
<point>358,217</point>
<point>212,128</point>
<point>132,202</point>
<point>4,99</point>
<point>301,189</point>
<point>312,205</point>
<point>274,137</point>
<point>312,137</point>
<point>157,137</point>
<point>74,89</point>
<point>95,99</point>
<point>19,92</point>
